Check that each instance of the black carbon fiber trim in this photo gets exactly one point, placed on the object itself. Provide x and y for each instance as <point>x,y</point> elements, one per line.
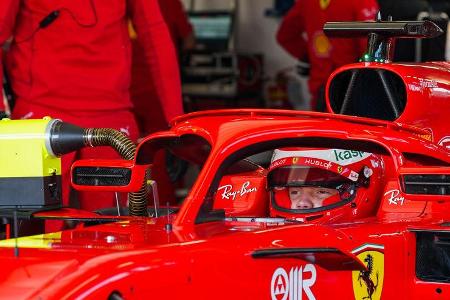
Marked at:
<point>101,176</point>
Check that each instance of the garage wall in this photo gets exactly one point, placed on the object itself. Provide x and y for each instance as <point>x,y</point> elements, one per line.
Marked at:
<point>255,32</point>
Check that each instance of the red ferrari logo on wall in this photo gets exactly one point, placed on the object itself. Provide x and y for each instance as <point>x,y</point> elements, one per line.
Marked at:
<point>292,286</point>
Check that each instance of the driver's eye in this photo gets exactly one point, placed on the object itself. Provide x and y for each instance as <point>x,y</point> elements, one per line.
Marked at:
<point>294,192</point>
<point>323,192</point>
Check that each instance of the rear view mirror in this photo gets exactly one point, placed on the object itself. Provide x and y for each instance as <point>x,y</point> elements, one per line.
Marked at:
<point>426,183</point>
<point>107,175</point>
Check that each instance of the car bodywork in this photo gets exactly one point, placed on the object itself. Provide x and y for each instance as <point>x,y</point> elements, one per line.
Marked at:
<point>221,242</point>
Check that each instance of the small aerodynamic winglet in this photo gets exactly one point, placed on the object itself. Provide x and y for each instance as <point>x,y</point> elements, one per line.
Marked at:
<point>382,34</point>
<point>331,259</point>
<point>388,29</point>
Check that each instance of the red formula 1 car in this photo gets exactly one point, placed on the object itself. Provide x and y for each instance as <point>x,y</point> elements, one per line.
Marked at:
<point>273,204</point>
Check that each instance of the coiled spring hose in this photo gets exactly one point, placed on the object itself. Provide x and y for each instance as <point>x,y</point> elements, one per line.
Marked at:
<point>65,138</point>
<point>96,137</point>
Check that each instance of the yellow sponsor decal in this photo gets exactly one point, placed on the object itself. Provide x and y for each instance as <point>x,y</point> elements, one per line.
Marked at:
<point>40,241</point>
<point>132,31</point>
<point>427,137</point>
<point>368,284</point>
<point>324,4</point>
<point>295,160</point>
<point>322,46</point>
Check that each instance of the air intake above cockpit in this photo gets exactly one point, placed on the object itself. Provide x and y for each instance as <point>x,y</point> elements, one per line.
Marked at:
<point>372,92</point>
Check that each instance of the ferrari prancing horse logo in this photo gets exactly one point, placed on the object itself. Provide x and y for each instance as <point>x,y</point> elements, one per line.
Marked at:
<point>368,284</point>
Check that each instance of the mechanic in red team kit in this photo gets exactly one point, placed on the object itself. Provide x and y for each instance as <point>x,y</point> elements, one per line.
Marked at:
<point>72,60</point>
<point>301,35</point>
<point>148,112</point>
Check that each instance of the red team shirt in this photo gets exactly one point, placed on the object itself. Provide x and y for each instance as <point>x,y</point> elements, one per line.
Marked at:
<point>82,60</point>
<point>301,35</point>
<point>78,68</point>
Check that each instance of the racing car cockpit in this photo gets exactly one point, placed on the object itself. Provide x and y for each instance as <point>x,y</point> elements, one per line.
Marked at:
<point>297,183</point>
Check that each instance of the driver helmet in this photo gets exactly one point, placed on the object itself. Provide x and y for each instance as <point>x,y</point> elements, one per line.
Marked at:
<point>324,185</point>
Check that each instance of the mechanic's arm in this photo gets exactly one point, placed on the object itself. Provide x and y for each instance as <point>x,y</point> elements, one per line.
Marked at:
<point>366,10</point>
<point>291,30</point>
<point>159,53</point>
<point>8,12</point>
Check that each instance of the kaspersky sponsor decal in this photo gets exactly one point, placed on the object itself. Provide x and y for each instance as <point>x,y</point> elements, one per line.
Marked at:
<point>295,284</point>
<point>368,284</point>
<point>345,157</point>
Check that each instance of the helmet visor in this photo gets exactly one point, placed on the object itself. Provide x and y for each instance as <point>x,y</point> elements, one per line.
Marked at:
<point>308,188</point>
<point>304,176</point>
